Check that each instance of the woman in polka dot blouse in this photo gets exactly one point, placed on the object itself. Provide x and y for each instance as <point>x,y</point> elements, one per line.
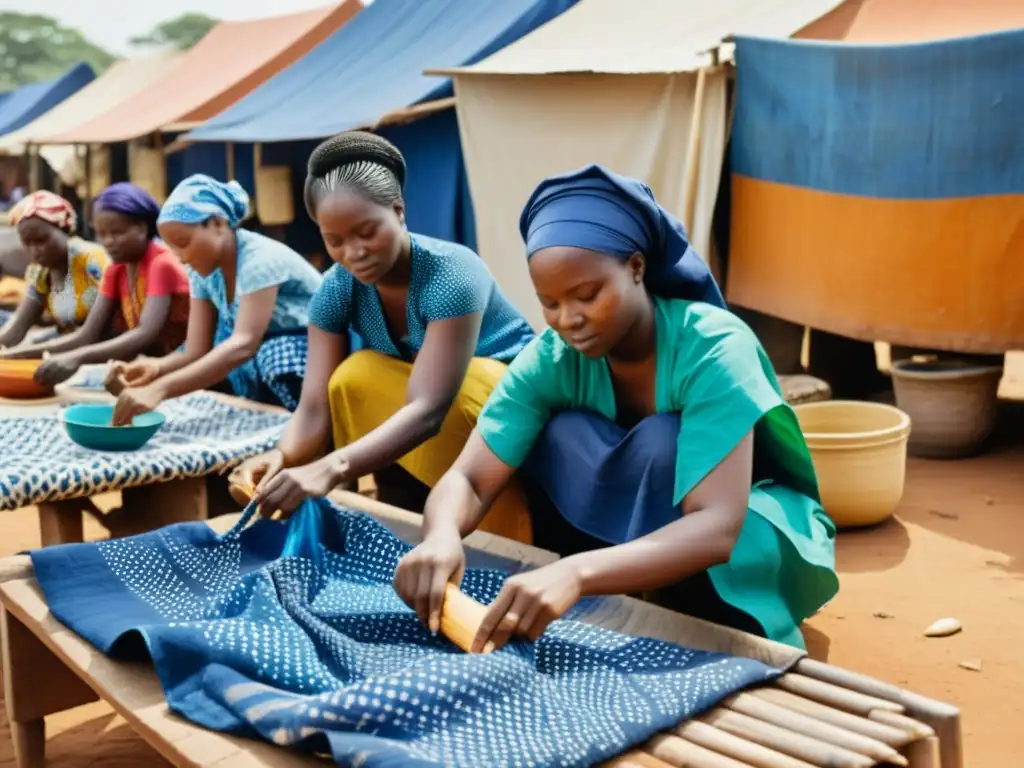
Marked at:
<point>437,330</point>
<point>652,419</point>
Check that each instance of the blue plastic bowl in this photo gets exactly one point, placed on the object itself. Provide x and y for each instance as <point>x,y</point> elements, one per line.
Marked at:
<point>88,424</point>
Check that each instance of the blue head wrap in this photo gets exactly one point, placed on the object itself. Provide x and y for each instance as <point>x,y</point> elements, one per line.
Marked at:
<point>201,197</point>
<point>600,211</point>
<point>131,201</point>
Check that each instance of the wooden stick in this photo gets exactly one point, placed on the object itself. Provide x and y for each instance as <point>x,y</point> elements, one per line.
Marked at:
<point>753,755</point>
<point>896,720</point>
<point>461,617</point>
<point>785,741</point>
<point>800,723</point>
<point>834,696</point>
<point>636,759</point>
<point>693,150</point>
<point>894,737</point>
<point>681,753</point>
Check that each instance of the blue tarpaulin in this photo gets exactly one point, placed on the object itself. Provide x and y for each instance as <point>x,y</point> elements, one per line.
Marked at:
<point>373,65</point>
<point>25,104</point>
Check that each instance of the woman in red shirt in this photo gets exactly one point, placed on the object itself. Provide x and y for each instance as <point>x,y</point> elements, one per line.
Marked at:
<point>143,297</point>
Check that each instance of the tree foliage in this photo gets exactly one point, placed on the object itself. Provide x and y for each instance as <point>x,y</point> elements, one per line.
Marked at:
<point>182,32</point>
<point>35,47</point>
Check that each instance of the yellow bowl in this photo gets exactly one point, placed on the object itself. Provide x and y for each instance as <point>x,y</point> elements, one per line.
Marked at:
<point>16,382</point>
<point>859,451</point>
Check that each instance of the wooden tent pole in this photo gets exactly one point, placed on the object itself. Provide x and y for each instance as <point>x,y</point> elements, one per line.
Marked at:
<point>693,151</point>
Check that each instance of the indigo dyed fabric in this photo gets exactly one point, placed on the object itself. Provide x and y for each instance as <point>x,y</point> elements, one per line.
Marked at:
<point>38,461</point>
<point>293,634</point>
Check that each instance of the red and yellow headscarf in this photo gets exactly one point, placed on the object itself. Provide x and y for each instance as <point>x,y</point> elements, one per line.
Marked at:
<point>47,206</point>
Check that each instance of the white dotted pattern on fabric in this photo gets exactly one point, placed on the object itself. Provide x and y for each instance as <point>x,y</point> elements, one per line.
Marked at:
<point>323,648</point>
<point>202,435</point>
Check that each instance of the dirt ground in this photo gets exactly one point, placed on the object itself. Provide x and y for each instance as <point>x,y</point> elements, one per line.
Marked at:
<point>956,548</point>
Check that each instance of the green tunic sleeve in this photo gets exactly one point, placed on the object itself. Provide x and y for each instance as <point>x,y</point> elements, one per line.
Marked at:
<point>539,382</point>
<point>721,384</point>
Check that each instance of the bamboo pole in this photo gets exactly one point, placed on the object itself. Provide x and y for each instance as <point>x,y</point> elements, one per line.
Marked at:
<point>833,734</point>
<point>834,696</point>
<point>753,755</point>
<point>782,740</point>
<point>894,737</point>
<point>693,151</point>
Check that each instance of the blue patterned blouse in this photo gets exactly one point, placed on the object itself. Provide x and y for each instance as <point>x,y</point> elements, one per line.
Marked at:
<point>448,280</point>
<point>262,263</point>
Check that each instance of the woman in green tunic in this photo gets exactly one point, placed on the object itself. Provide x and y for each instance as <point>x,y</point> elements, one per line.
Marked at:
<point>653,422</point>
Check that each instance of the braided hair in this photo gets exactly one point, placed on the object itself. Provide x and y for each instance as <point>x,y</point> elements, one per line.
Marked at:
<point>357,160</point>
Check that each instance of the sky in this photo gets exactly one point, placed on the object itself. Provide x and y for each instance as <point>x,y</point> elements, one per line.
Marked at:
<point>112,23</point>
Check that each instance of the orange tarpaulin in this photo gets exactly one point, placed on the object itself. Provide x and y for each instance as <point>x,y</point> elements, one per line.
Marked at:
<point>907,21</point>
<point>233,59</point>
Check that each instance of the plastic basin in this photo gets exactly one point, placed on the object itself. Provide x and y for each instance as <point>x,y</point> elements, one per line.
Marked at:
<point>16,382</point>
<point>859,451</point>
<point>88,424</point>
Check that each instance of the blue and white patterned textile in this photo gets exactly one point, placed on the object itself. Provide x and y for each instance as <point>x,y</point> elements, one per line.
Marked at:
<point>39,462</point>
<point>293,633</point>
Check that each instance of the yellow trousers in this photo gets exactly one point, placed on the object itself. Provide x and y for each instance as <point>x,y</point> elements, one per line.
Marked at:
<point>368,388</point>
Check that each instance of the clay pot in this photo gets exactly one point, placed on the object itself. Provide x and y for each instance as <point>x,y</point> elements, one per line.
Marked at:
<point>859,450</point>
<point>952,403</point>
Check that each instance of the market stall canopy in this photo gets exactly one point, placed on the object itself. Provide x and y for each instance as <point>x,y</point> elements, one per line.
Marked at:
<point>231,60</point>
<point>655,36</point>
<point>374,66</point>
<point>124,79</point>
<point>609,83</point>
<point>25,104</point>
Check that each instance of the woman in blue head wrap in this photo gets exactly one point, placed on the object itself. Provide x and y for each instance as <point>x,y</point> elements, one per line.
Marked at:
<point>142,301</point>
<point>248,309</point>
<point>652,420</point>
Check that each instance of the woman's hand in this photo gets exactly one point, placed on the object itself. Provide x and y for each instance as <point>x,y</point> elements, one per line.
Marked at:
<point>290,487</point>
<point>422,575</point>
<point>257,471</point>
<point>57,369</point>
<point>140,373</point>
<point>133,401</point>
<point>528,603</point>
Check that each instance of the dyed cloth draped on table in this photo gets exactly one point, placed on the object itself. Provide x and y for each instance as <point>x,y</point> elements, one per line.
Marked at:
<point>901,167</point>
<point>295,635</point>
<point>202,434</point>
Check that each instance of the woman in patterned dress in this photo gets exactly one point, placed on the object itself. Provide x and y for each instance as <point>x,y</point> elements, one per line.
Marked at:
<point>438,334</point>
<point>249,307</point>
<point>143,297</point>
<point>65,273</point>
<point>652,419</point>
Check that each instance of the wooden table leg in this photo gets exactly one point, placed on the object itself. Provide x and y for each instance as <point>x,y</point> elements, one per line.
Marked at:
<point>60,522</point>
<point>149,507</point>
<point>36,684</point>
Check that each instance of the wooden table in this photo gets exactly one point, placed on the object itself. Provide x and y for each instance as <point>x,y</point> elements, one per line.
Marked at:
<point>48,669</point>
<point>143,507</point>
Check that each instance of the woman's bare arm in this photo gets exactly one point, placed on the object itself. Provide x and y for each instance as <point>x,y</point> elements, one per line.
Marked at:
<point>254,313</point>
<point>713,514</point>
<point>308,432</point>
<point>25,316</point>
<point>437,376</point>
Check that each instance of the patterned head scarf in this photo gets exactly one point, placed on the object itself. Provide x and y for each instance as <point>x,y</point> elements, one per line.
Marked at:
<point>131,201</point>
<point>51,208</point>
<point>201,197</point>
<point>598,210</point>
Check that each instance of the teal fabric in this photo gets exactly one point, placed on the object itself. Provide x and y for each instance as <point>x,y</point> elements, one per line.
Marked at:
<point>712,371</point>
